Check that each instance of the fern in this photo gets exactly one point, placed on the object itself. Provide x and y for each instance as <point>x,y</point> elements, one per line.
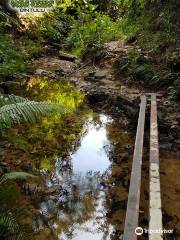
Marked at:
<point>10,229</point>
<point>15,109</point>
<point>10,99</point>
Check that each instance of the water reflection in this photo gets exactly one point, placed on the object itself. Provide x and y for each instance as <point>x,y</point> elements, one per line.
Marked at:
<point>92,155</point>
<point>76,209</point>
<point>83,158</point>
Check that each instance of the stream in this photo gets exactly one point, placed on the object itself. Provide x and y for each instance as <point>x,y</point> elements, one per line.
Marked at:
<point>83,160</point>
<point>78,211</point>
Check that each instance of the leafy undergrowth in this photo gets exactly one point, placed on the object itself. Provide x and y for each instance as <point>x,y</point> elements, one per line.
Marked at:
<point>154,28</point>
<point>81,28</point>
<point>138,67</point>
<point>90,32</point>
<point>12,61</point>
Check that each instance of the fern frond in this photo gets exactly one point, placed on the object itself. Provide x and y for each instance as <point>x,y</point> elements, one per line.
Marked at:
<point>15,176</point>
<point>10,229</point>
<point>27,111</point>
<point>6,99</point>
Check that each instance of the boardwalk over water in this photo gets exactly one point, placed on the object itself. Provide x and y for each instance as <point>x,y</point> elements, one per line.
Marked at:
<point>131,229</point>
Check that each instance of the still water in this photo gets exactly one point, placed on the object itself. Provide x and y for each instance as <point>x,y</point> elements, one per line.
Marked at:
<point>77,209</point>
<point>84,160</point>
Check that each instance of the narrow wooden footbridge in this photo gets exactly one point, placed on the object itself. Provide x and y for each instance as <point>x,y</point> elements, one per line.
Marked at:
<point>132,230</point>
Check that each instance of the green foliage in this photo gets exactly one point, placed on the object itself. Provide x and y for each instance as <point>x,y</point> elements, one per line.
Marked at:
<point>12,61</point>
<point>10,99</point>
<point>90,32</point>
<point>175,90</point>
<point>8,195</point>
<point>76,8</point>
<point>138,67</point>
<point>10,227</point>
<point>24,110</point>
<point>129,28</point>
<point>55,26</point>
<point>31,48</point>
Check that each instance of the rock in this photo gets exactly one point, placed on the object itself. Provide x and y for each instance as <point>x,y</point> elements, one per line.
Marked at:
<point>4,168</point>
<point>95,76</point>
<point>7,169</point>
<point>130,108</point>
<point>60,72</point>
<point>161,115</point>
<point>67,57</point>
<point>39,71</point>
<point>177,141</point>
<point>42,72</point>
<point>87,78</point>
<point>178,117</point>
<point>3,164</point>
<point>100,75</point>
<point>49,49</point>
<point>90,76</point>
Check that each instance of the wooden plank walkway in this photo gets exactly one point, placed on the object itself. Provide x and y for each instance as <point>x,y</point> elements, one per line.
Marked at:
<point>132,213</point>
<point>155,212</point>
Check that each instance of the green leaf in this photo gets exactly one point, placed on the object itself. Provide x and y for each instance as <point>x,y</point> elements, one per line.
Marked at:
<point>15,109</point>
<point>6,99</point>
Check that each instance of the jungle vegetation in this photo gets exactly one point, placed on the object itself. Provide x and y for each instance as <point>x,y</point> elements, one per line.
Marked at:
<point>81,28</point>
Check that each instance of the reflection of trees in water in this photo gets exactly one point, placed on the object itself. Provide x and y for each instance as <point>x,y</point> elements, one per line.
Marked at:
<point>117,180</point>
<point>76,197</point>
<point>76,201</point>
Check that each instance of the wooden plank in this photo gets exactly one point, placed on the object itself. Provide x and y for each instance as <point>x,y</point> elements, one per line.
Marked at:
<point>132,213</point>
<point>155,223</point>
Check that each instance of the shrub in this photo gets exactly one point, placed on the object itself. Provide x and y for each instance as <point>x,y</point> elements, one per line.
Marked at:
<point>55,26</point>
<point>12,61</point>
<point>31,48</point>
<point>138,67</point>
<point>175,90</point>
<point>89,32</point>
